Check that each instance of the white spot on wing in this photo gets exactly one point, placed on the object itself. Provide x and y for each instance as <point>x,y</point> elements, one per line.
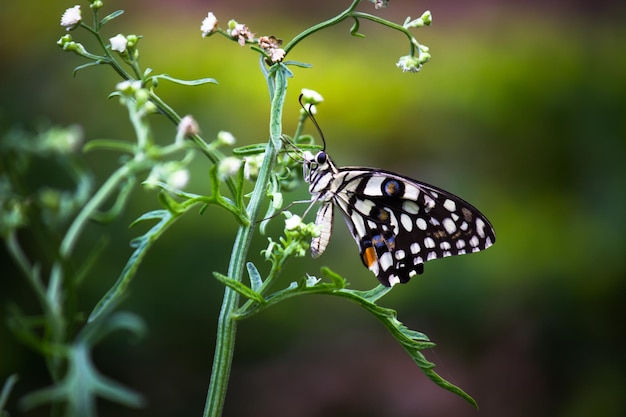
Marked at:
<point>421,223</point>
<point>393,280</point>
<point>415,248</point>
<point>429,242</point>
<point>406,221</point>
<point>449,205</point>
<point>386,261</point>
<point>449,225</point>
<point>480,227</point>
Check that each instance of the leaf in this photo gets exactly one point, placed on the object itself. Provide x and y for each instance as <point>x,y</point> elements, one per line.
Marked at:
<point>141,244</point>
<point>239,287</point>
<point>89,64</point>
<point>110,17</point>
<point>298,64</point>
<point>80,387</point>
<point>109,145</point>
<point>255,277</point>
<point>6,391</point>
<point>185,82</point>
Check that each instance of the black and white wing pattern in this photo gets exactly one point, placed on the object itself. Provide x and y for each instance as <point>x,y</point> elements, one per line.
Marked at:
<point>398,223</point>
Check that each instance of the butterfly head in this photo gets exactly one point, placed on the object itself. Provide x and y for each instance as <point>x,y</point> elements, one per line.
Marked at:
<point>317,166</point>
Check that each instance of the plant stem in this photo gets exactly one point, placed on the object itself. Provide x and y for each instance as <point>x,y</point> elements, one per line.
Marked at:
<point>227,326</point>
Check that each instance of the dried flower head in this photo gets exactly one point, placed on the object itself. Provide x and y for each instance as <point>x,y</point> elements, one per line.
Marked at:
<point>271,45</point>
<point>71,18</point>
<point>209,25</point>
<point>188,126</point>
<point>240,32</point>
<point>380,4</point>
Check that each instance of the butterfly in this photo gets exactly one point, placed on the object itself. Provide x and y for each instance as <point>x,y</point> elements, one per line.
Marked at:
<point>397,222</point>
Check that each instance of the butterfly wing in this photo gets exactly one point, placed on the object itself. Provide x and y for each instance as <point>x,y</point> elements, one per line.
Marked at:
<point>400,223</point>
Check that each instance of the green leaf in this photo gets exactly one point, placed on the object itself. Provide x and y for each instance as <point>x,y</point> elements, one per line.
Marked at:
<point>6,391</point>
<point>110,17</point>
<point>298,64</point>
<point>239,287</point>
<point>255,277</point>
<point>109,145</point>
<point>184,82</point>
<point>259,148</point>
<point>89,64</point>
<point>80,387</point>
<point>141,244</point>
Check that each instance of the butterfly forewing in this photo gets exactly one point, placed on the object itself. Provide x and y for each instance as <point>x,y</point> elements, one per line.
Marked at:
<point>398,223</point>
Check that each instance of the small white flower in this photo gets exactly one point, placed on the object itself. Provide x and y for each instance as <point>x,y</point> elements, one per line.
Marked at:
<point>178,179</point>
<point>128,87</point>
<point>409,63</point>
<point>71,18</point>
<point>293,222</point>
<point>311,96</point>
<point>170,173</point>
<point>229,167</point>
<point>119,43</point>
<point>253,165</point>
<point>209,25</point>
<point>225,138</point>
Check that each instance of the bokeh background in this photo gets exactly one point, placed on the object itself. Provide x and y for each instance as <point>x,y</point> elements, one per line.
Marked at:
<point>522,111</point>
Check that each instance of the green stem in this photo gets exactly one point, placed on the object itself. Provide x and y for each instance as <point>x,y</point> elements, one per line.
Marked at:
<point>227,326</point>
<point>333,21</point>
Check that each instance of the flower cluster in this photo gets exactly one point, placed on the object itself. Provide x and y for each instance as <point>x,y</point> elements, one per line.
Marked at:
<point>240,32</point>
<point>271,45</point>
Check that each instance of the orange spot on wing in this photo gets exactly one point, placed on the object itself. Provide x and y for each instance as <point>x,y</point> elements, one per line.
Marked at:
<point>369,256</point>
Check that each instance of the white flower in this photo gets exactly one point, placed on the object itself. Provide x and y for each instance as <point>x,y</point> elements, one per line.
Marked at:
<point>409,63</point>
<point>253,165</point>
<point>293,222</point>
<point>178,179</point>
<point>128,86</point>
<point>71,18</point>
<point>170,173</point>
<point>311,96</point>
<point>228,167</point>
<point>209,25</point>
<point>119,43</point>
<point>225,138</point>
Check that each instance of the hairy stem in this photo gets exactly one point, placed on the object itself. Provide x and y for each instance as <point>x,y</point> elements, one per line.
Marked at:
<point>227,325</point>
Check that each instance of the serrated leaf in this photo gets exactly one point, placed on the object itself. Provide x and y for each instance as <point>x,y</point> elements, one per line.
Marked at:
<point>239,287</point>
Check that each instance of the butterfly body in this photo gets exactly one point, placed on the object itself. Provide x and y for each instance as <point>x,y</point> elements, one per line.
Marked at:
<point>397,222</point>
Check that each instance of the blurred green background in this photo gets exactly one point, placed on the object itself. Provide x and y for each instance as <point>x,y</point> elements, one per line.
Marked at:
<point>521,111</point>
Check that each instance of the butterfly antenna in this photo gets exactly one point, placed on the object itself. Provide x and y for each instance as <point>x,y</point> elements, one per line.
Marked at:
<point>310,114</point>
